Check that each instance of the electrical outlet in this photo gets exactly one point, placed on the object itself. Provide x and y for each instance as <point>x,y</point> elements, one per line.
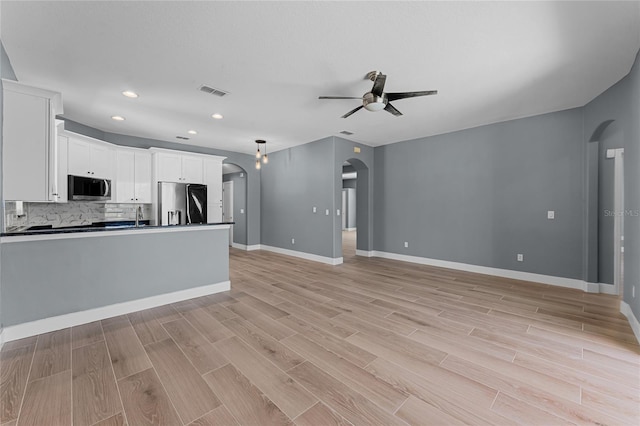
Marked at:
<point>338,212</point>
<point>406,244</point>
<point>520,257</point>
<point>293,241</point>
<point>326,212</point>
<point>315,209</point>
<point>551,214</point>
<point>241,211</point>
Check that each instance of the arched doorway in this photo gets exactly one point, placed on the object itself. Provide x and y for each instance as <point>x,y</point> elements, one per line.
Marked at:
<point>355,223</point>
<point>605,224</point>
<point>234,203</point>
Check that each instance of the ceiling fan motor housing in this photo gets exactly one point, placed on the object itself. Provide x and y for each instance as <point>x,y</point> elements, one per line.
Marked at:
<point>372,102</point>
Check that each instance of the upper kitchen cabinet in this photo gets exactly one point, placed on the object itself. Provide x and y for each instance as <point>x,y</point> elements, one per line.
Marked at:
<point>90,157</point>
<point>171,166</point>
<point>133,176</point>
<point>30,148</point>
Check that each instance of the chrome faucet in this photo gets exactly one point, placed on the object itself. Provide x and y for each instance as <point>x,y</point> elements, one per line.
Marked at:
<point>139,216</point>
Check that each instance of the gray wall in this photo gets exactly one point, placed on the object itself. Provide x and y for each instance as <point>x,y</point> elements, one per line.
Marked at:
<point>239,203</point>
<point>41,279</point>
<point>299,178</point>
<point>349,183</point>
<point>612,118</point>
<point>294,181</point>
<point>246,161</point>
<point>480,196</point>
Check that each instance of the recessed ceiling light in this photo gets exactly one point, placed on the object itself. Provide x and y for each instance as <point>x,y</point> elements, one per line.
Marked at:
<point>192,132</point>
<point>117,117</point>
<point>130,94</point>
<point>217,116</point>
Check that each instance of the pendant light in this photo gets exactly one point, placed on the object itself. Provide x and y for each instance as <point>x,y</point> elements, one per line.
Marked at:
<point>259,155</point>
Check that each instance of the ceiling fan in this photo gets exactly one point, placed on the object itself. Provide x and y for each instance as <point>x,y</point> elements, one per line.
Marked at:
<point>377,99</point>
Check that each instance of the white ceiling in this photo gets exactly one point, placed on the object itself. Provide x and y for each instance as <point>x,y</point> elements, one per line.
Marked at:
<point>490,62</point>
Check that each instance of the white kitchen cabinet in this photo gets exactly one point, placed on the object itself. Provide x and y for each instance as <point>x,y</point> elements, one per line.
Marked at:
<point>90,158</point>
<point>133,176</point>
<point>213,180</point>
<point>177,167</point>
<point>29,148</point>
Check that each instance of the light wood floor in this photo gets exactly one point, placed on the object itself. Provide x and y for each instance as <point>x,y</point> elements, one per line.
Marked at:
<point>371,341</point>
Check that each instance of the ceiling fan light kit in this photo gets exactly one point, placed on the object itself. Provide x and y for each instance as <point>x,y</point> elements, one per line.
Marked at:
<point>377,99</point>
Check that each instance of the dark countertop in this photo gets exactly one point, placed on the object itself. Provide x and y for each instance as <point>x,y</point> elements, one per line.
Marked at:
<point>101,227</point>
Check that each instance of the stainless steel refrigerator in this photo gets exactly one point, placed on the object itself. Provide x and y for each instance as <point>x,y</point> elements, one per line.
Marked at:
<point>181,203</point>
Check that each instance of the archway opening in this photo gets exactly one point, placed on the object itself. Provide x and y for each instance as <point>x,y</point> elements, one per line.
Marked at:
<point>355,223</point>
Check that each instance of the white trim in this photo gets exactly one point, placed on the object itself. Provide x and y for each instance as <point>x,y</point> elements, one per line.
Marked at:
<point>350,229</point>
<point>607,289</point>
<point>365,253</point>
<point>506,273</point>
<point>625,310</point>
<point>303,255</point>
<point>592,287</point>
<point>111,233</point>
<point>238,246</point>
<point>59,322</point>
<point>1,338</point>
<point>254,247</point>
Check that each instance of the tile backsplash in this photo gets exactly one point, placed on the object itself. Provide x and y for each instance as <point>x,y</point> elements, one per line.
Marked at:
<point>73,213</point>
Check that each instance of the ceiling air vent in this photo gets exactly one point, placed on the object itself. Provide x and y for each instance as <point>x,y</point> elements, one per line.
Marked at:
<point>212,90</point>
<point>346,132</point>
<point>182,137</point>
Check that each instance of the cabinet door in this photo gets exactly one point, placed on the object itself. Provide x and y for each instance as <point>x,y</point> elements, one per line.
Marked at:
<point>125,176</point>
<point>61,157</point>
<point>169,167</point>
<point>101,161</point>
<point>214,211</point>
<point>213,179</point>
<point>143,177</point>
<point>79,158</point>
<point>25,150</point>
<point>192,169</point>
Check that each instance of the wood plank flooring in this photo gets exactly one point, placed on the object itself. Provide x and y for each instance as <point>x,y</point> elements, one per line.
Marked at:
<point>371,341</point>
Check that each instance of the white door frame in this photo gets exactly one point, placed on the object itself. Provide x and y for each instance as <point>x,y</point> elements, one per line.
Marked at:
<point>618,219</point>
<point>227,206</point>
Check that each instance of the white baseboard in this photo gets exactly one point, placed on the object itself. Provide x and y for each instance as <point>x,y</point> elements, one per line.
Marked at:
<point>625,310</point>
<point>254,247</point>
<point>349,229</point>
<point>364,253</point>
<point>607,289</point>
<point>506,273</point>
<point>1,338</point>
<point>303,255</point>
<point>33,328</point>
<point>239,246</point>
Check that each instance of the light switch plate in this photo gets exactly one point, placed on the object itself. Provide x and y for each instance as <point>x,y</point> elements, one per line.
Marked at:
<point>315,209</point>
<point>406,244</point>
<point>551,214</point>
<point>326,212</point>
<point>520,257</point>
<point>338,212</point>
<point>241,211</point>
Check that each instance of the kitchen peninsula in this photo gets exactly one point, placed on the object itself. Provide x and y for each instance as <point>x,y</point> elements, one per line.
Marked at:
<point>58,279</point>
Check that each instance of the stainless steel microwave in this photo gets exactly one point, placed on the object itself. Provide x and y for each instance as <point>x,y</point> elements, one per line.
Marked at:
<point>89,189</point>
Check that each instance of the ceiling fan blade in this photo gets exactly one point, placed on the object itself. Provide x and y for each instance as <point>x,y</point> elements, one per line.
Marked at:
<point>378,85</point>
<point>340,97</point>
<point>404,95</point>
<point>351,112</point>
<point>390,108</point>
